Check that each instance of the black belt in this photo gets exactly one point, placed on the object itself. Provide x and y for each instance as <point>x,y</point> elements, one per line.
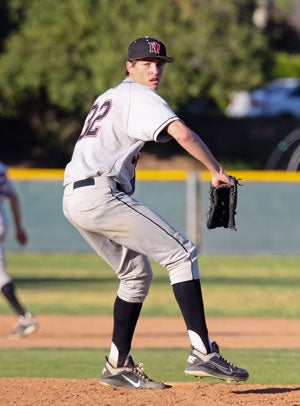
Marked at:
<point>83,182</point>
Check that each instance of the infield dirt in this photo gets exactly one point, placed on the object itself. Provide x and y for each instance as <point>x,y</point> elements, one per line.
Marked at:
<point>62,331</point>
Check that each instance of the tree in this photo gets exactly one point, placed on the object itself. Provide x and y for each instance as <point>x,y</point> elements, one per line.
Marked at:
<point>60,55</point>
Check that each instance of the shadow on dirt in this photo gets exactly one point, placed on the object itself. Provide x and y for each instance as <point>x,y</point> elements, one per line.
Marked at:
<point>267,391</point>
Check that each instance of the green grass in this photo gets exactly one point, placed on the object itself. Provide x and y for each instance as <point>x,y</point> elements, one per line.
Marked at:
<point>84,284</point>
<point>270,366</point>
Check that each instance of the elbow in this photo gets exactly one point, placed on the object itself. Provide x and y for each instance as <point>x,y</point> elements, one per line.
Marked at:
<point>180,132</point>
<point>185,136</point>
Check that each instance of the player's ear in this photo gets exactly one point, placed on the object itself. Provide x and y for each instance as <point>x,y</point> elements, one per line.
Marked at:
<point>129,66</point>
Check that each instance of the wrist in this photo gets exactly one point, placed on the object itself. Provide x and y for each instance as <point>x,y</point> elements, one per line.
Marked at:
<point>218,170</point>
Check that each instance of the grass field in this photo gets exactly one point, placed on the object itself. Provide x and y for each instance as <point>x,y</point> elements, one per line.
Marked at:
<point>83,284</point>
<point>264,366</point>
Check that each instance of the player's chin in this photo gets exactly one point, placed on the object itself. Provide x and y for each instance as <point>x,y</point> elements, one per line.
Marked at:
<point>154,84</point>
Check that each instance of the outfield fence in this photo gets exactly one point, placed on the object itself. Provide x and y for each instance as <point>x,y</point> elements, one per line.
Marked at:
<point>268,220</point>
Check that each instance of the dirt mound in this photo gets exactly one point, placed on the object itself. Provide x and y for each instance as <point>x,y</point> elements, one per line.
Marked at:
<point>63,331</point>
<point>75,392</point>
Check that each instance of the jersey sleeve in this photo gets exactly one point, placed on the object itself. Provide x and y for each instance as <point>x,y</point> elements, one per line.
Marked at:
<point>148,115</point>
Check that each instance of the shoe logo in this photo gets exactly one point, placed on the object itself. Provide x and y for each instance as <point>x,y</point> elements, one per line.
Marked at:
<point>135,384</point>
<point>230,370</point>
<point>225,368</point>
<point>191,359</point>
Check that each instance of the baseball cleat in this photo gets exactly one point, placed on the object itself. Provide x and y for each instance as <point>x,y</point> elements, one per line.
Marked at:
<point>27,324</point>
<point>213,365</point>
<point>132,376</point>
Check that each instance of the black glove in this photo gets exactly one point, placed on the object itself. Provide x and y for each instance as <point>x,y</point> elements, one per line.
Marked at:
<point>222,208</point>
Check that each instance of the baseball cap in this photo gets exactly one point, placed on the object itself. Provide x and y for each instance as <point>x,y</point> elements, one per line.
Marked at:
<point>147,47</point>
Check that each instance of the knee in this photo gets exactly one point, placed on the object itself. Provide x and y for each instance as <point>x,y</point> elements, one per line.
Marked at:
<point>135,290</point>
<point>5,282</point>
<point>7,287</point>
<point>186,267</point>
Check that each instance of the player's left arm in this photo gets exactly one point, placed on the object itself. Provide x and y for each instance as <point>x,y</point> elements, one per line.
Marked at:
<point>193,144</point>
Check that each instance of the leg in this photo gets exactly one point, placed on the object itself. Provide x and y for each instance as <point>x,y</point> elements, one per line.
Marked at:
<point>125,319</point>
<point>9,293</point>
<point>135,275</point>
<point>189,298</point>
<point>7,286</point>
<point>135,279</point>
<point>27,324</point>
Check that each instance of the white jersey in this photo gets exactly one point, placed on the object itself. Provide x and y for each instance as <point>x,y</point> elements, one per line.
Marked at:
<point>119,123</point>
<point>6,190</point>
<point>6,187</point>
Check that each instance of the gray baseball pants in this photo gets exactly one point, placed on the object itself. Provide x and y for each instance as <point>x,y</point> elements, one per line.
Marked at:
<point>125,233</point>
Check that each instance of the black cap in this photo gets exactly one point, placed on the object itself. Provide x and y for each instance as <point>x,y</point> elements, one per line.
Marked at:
<point>146,47</point>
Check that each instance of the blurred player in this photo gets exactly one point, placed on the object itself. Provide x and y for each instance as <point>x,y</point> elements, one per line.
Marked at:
<point>27,324</point>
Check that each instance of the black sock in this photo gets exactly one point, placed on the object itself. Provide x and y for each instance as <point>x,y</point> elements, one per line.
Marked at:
<point>189,298</point>
<point>8,291</point>
<point>125,319</point>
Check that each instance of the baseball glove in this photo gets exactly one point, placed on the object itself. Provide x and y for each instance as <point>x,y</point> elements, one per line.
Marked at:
<point>222,208</point>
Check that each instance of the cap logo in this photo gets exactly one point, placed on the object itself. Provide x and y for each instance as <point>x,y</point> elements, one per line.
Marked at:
<point>154,47</point>
<point>146,47</point>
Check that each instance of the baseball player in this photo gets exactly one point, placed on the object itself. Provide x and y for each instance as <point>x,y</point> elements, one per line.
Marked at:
<point>99,182</point>
<point>27,323</point>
